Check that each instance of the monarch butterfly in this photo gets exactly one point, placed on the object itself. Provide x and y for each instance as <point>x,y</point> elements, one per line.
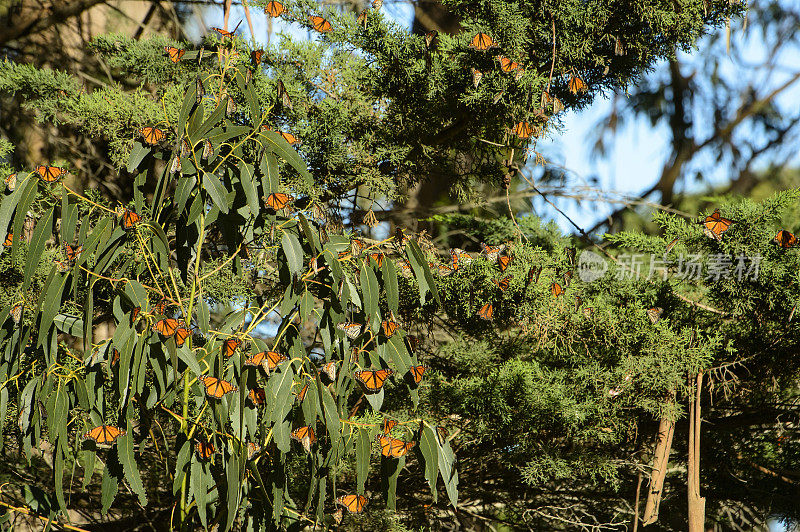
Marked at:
<point>50,174</point>
<point>567,278</point>
<point>388,425</point>
<point>129,219</point>
<point>225,34</point>
<point>429,38</point>
<point>306,436</point>
<point>205,449</point>
<point>523,130</point>
<point>283,94</point>
<point>253,450</point>
<point>357,246</point>
<point>503,261</point>
<point>492,252</point>
<point>257,395</point>
<point>200,90</point>
<point>186,148</point>
<point>166,327</point>
<point>412,342</point>
<point>393,447</point>
<point>459,257</point>
<point>9,241</point>
<point>278,200</point>
<point>486,312</point>
<point>533,275</point>
<point>301,395</point>
<point>352,330</point>
<point>72,252</point>
<point>417,372</point>
<point>619,49</point>
<point>655,314</point>
<point>329,369</point>
<point>230,107</point>
<point>161,307</point>
<point>256,56</point>
<point>443,270</point>
<point>377,4</point>
<point>16,313</point>
<point>230,346</point>
<point>477,76</point>
<point>373,379</point>
<point>176,165</point>
<point>576,85</point>
<point>506,64</point>
<point>274,9</point>
<point>269,360</point>
<point>671,244</point>
<point>114,356</point>
<point>715,225</point>
<point>208,149</point>
<point>389,328</point>
<point>174,54</point>
<point>354,504</point>
<point>181,334</point>
<point>216,388</point>
<point>571,252</point>
<point>11,182</point>
<point>441,432</point>
<point>482,42</point>
<point>785,239</point>
<point>152,135</point>
<point>377,257</point>
<point>320,24</point>
<point>63,266</point>
<point>503,283</point>
<point>104,434</point>
<point>557,290</point>
<point>405,269</point>
<point>288,137</point>
<point>361,19</point>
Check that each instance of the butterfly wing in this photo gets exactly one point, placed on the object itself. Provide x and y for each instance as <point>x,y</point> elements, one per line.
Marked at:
<point>274,9</point>
<point>166,327</point>
<point>486,312</point>
<point>417,372</point>
<point>230,346</point>
<point>320,24</point>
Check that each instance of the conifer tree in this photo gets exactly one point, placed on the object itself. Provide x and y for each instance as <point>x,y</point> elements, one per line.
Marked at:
<point>276,359</point>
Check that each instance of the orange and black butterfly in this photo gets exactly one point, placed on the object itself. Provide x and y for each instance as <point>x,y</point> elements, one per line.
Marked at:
<point>104,434</point>
<point>253,450</point>
<point>258,396</point>
<point>373,379</point>
<point>302,433</point>
<point>225,34</point>
<point>557,290</point>
<point>205,449</point>
<point>715,225</point>
<point>655,314</point>
<point>329,369</point>
<point>278,200</point>
<point>357,246</point>
<point>216,388</point>
<point>417,372</point>
<point>491,252</point>
<point>166,327</point>
<point>301,395</point>
<point>533,275</point>
<point>16,313</point>
<point>458,258</point>
<point>352,330</point>
<point>256,56</point>
<point>523,130</point>
<point>72,252</point>
<point>503,261</point>
<point>181,334</point>
<point>161,307</point>
<point>320,24</point>
<point>506,64</point>
<point>393,447</point>
<point>269,360</point>
<point>503,283</point>
<point>388,425</point>
<point>482,42</point>
<point>785,239</point>
<point>135,313</point>
<point>576,85</point>
<point>129,219</point>
<point>486,312</point>
<point>377,257</point>
<point>9,241</point>
<point>429,38</point>
<point>114,356</point>
<point>274,8</point>
<point>174,54</point>
<point>152,135</point>
<point>288,137</point>
<point>354,504</point>
<point>230,346</point>
<point>389,328</point>
<point>11,182</point>
<point>50,174</point>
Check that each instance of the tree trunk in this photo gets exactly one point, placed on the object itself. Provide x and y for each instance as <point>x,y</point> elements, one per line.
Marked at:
<point>666,430</point>
<point>697,504</point>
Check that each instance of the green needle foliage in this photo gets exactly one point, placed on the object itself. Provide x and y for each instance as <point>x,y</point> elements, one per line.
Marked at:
<point>248,360</point>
